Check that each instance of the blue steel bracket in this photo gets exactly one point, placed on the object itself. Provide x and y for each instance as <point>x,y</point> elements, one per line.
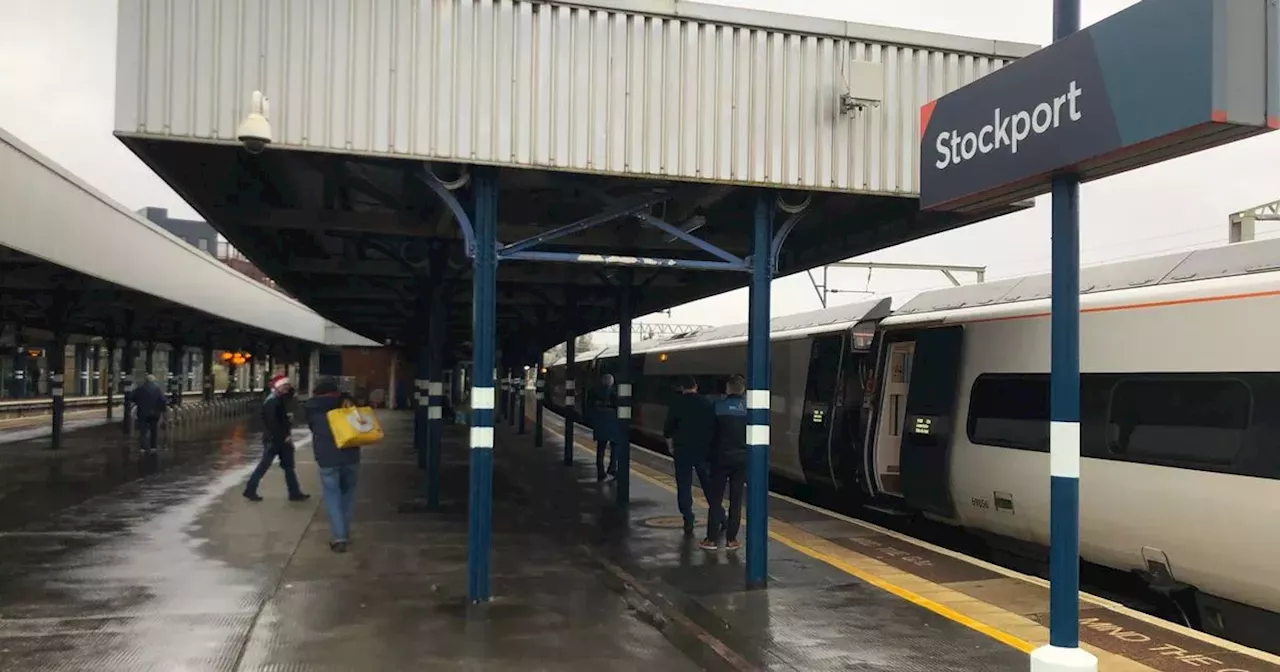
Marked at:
<point>427,177</point>
<point>620,209</point>
<point>780,238</point>
<point>678,233</point>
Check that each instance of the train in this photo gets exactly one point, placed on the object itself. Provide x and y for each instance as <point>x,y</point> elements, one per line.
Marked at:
<point>939,409</point>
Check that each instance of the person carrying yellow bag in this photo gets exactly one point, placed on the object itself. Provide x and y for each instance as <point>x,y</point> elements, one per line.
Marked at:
<point>339,466</point>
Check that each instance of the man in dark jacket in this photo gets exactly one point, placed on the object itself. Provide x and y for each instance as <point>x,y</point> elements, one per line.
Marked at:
<point>728,466</point>
<point>604,419</point>
<point>277,441</point>
<point>149,401</point>
<point>339,468</point>
<point>690,426</point>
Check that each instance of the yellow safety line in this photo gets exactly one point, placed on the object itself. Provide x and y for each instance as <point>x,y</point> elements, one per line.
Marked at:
<point>939,609</point>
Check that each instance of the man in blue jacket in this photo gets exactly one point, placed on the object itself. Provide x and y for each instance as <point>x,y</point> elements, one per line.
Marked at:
<point>149,403</point>
<point>339,468</point>
<point>728,466</point>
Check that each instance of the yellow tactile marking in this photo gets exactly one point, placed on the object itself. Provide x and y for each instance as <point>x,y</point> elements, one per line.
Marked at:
<point>1000,624</point>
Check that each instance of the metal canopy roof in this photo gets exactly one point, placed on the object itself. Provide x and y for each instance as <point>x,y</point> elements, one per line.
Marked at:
<point>72,255</point>
<point>353,237</point>
<point>1218,262</point>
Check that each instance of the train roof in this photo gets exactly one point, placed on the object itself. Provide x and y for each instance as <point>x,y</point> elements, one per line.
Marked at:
<point>1236,259</point>
<point>827,320</point>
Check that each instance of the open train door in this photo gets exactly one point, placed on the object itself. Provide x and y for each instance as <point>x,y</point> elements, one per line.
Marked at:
<point>930,420</point>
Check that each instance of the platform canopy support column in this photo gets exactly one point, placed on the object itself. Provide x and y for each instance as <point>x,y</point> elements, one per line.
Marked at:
<point>207,369</point>
<point>437,334</point>
<point>521,393</point>
<point>57,375</point>
<point>127,364</point>
<point>422,380</point>
<point>758,394</point>
<point>622,441</point>
<point>540,387</point>
<point>82,369</point>
<point>484,307</point>
<point>570,385</point>
<point>109,378</point>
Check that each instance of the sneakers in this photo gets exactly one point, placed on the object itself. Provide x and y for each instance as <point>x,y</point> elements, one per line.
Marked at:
<point>732,545</point>
<point>300,497</point>
<point>709,545</point>
<point>253,496</point>
<point>338,546</point>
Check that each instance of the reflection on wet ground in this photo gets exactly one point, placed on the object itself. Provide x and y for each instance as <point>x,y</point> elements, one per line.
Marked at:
<point>161,565</point>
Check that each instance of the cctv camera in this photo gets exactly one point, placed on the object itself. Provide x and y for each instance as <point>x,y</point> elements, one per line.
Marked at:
<point>255,131</point>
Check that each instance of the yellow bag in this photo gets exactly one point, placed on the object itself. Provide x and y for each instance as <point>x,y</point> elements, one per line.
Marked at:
<point>354,426</point>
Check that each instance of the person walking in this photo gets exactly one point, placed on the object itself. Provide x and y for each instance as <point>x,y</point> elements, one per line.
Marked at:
<point>339,467</point>
<point>277,442</point>
<point>689,429</point>
<point>149,403</point>
<point>728,466</point>
<point>604,404</point>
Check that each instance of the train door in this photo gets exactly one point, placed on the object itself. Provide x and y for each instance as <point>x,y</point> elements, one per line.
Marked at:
<point>893,409</point>
<point>925,443</point>
<point>817,418</point>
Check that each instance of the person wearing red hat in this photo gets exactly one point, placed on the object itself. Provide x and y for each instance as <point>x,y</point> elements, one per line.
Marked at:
<point>277,441</point>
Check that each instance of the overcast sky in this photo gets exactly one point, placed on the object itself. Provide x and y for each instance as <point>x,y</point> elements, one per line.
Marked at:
<point>57,91</point>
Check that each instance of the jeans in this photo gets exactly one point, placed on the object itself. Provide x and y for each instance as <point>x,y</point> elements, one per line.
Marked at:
<point>686,468</point>
<point>339,485</point>
<point>735,477</point>
<point>148,433</point>
<point>270,452</point>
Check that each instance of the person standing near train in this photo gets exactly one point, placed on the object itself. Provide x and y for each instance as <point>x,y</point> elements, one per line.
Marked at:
<point>690,426</point>
<point>605,425</point>
<point>728,466</point>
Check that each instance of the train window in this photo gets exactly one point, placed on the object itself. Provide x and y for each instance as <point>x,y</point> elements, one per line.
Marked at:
<point>1010,410</point>
<point>1202,420</point>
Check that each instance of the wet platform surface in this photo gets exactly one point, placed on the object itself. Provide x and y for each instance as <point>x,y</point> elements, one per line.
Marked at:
<point>173,570</point>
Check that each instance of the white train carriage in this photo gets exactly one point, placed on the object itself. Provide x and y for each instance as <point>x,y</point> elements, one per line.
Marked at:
<point>820,360</point>
<point>1180,432</point>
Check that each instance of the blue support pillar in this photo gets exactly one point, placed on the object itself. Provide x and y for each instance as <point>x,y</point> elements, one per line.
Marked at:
<point>484,305</point>
<point>127,365</point>
<point>82,369</point>
<point>422,404</point>
<point>758,395</point>
<point>622,442</point>
<point>539,388</point>
<point>435,391</point>
<point>1063,654</point>
<point>109,381</point>
<point>521,383</point>
<point>570,394</point>
<point>57,375</point>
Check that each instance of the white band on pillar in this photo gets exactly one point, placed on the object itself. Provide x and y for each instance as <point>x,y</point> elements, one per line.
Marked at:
<point>421,383</point>
<point>624,389</point>
<point>758,399</point>
<point>482,398</point>
<point>1064,449</point>
<point>1062,659</point>
<point>568,384</point>
<point>481,437</point>
<point>757,435</point>
<point>435,389</point>
<point>568,399</point>
<point>624,412</point>
<point>434,413</point>
<point>541,383</point>
<point>538,396</point>
<point>57,391</point>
